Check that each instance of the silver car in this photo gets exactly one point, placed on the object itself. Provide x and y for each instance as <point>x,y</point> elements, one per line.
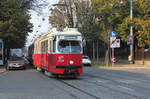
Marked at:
<point>16,63</point>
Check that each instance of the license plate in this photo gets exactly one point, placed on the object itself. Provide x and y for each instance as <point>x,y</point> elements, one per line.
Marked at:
<point>16,65</point>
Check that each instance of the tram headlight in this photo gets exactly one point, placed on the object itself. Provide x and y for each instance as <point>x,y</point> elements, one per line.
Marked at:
<point>71,62</point>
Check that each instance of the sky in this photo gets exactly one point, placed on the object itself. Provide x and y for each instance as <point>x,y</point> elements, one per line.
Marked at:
<point>39,19</point>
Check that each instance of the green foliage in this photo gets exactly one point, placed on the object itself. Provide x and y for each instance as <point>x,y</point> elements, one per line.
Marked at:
<point>14,22</point>
<point>142,23</point>
<point>57,17</point>
<point>61,14</point>
<point>96,19</point>
<point>112,13</point>
<point>88,22</point>
<point>115,15</point>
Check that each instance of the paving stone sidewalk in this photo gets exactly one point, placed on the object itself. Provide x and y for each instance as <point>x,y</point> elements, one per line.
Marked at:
<point>2,69</point>
<point>128,66</point>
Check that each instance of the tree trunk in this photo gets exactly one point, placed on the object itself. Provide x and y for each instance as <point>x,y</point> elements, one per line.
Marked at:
<point>143,55</point>
<point>107,55</point>
<point>97,53</point>
<point>93,51</point>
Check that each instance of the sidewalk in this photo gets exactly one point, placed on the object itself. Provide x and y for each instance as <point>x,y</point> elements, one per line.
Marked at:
<point>2,69</point>
<point>118,66</point>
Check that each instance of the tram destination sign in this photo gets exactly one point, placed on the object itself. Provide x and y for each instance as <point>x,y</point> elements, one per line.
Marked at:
<point>69,37</point>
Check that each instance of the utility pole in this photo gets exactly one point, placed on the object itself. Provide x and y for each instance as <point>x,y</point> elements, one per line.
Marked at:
<point>131,32</point>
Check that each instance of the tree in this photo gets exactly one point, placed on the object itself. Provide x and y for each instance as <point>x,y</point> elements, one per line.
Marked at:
<point>141,23</point>
<point>115,15</point>
<point>62,14</point>
<point>58,16</point>
<point>14,22</point>
<point>110,15</point>
<point>88,21</point>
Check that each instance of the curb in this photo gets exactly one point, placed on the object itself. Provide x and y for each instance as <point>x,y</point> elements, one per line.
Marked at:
<point>128,67</point>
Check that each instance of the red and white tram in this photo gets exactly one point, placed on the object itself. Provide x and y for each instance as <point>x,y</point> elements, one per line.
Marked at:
<point>59,52</point>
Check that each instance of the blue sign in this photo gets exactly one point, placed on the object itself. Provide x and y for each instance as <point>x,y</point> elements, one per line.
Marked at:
<point>113,34</point>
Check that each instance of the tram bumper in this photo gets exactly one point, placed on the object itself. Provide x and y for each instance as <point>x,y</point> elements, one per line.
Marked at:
<point>69,69</point>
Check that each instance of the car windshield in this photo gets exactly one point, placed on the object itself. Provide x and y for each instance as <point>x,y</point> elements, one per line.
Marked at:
<point>69,47</point>
<point>85,57</point>
<point>14,58</point>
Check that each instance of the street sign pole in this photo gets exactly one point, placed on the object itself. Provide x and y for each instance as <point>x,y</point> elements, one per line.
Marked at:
<point>113,55</point>
<point>112,39</point>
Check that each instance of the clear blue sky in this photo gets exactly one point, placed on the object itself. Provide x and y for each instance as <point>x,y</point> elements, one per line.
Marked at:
<point>40,20</point>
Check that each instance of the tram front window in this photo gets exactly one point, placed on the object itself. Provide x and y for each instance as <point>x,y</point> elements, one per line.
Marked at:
<point>69,47</point>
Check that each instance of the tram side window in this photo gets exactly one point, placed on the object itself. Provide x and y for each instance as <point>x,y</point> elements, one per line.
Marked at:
<point>44,46</point>
<point>51,46</point>
<point>54,46</point>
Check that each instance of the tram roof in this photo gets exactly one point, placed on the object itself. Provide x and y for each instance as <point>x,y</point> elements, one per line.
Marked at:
<point>66,31</point>
<point>55,32</point>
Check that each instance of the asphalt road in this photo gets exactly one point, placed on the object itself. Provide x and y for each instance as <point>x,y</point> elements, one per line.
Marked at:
<point>93,84</point>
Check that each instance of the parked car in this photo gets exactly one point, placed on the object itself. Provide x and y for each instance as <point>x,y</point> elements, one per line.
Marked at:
<point>16,63</point>
<point>86,61</point>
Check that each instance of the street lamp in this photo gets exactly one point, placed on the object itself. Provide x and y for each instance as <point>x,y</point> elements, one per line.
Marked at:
<point>131,32</point>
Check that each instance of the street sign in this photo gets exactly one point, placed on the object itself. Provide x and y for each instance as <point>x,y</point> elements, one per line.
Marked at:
<point>130,40</point>
<point>114,43</point>
<point>113,60</point>
<point>113,34</point>
<point>112,40</point>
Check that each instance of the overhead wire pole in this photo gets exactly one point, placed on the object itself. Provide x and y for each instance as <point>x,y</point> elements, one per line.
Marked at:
<point>131,32</point>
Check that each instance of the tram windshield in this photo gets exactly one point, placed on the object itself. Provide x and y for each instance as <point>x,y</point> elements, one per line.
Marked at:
<point>69,46</point>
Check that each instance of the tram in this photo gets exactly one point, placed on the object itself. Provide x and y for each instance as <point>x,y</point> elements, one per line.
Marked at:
<point>1,52</point>
<point>30,53</point>
<point>59,52</point>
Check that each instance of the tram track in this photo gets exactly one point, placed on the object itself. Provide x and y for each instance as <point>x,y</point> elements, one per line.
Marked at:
<point>79,89</point>
<point>98,84</point>
<point>115,75</point>
<point>72,86</point>
<point>128,79</point>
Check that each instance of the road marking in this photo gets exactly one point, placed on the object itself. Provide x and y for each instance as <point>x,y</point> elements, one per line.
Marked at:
<point>129,81</point>
<point>126,88</point>
<point>100,81</point>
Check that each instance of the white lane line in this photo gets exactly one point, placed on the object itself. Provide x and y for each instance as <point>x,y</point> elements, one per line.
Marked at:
<point>126,88</point>
<point>129,81</point>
